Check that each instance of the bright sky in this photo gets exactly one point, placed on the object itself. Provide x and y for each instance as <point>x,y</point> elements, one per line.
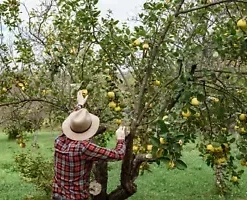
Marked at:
<point>122,9</point>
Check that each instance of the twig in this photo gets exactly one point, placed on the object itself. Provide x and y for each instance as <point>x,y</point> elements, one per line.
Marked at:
<point>210,5</point>
<point>208,112</point>
<point>64,108</point>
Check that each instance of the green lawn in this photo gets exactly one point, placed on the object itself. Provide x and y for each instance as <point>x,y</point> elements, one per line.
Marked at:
<point>194,183</point>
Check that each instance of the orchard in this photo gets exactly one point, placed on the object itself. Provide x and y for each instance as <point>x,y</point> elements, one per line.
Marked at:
<point>176,77</point>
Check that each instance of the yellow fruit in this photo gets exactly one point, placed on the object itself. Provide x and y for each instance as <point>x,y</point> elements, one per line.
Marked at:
<point>162,141</point>
<point>186,114</point>
<point>216,100</point>
<point>157,83</point>
<point>135,148</point>
<point>242,23</point>
<point>137,42</point>
<point>20,84</point>
<point>145,46</point>
<point>210,147</point>
<point>223,129</point>
<point>236,127</point>
<point>112,104</point>
<point>218,149</point>
<point>242,117</point>
<point>197,115</point>
<point>73,50</point>
<point>242,130</point>
<point>221,160</point>
<point>111,95</point>
<point>150,105</point>
<point>194,101</point>
<point>22,145</point>
<point>235,179</point>
<point>165,117</point>
<point>243,162</point>
<point>108,78</point>
<point>4,89</point>
<point>23,88</point>
<point>84,92</point>
<point>171,165</point>
<point>117,109</point>
<point>149,147</point>
<point>159,153</point>
<point>118,121</point>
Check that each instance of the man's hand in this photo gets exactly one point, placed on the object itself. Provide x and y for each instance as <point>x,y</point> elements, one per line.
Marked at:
<point>80,99</point>
<point>122,132</point>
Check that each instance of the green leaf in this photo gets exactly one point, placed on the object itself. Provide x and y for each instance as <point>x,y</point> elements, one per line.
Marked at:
<point>240,172</point>
<point>177,147</point>
<point>200,97</point>
<point>239,156</point>
<point>155,141</point>
<point>232,140</point>
<point>163,127</point>
<point>179,136</point>
<point>165,160</point>
<point>180,164</point>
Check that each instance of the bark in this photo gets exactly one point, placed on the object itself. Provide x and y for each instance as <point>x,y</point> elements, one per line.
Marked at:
<point>101,176</point>
<point>126,170</point>
<point>101,173</point>
<point>120,194</point>
<point>219,179</point>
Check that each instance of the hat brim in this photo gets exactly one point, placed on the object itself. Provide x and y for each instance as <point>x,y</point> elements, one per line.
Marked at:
<point>84,135</point>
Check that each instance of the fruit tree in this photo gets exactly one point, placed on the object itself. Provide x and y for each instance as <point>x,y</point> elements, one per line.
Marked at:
<point>176,77</point>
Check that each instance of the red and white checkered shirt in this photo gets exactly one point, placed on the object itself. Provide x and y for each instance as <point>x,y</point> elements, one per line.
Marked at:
<point>73,164</point>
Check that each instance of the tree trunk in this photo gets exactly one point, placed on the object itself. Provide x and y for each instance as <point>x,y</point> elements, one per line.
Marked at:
<point>101,176</point>
<point>219,179</point>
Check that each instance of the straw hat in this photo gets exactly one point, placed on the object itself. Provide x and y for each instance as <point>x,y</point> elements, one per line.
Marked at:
<point>80,125</point>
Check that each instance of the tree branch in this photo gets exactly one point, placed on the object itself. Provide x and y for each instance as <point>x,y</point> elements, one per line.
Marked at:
<point>210,5</point>
<point>64,108</point>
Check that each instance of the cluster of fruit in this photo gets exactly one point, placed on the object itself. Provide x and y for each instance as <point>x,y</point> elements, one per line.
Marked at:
<point>240,128</point>
<point>138,42</point>
<point>219,152</point>
<point>195,102</point>
<point>19,84</point>
<point>20,141</point>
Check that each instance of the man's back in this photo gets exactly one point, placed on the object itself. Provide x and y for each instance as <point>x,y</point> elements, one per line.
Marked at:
<point>73,164</point>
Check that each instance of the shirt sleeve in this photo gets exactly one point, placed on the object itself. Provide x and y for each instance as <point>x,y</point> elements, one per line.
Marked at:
<point>95,152</point>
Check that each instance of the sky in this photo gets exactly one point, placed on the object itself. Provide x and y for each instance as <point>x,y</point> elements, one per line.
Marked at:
<point>122,9</point>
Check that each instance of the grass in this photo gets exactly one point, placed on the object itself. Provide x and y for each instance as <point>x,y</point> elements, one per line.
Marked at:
<point>194,183</point>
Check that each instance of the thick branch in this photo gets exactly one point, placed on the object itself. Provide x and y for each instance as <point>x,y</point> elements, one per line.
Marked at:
<point>139,159</point>
<point>64,108</point>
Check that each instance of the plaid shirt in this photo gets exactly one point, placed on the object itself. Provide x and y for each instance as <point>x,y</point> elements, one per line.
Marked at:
<point>73,164</point>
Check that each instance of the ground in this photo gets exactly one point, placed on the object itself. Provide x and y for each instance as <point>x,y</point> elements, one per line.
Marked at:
<point>194,183</point>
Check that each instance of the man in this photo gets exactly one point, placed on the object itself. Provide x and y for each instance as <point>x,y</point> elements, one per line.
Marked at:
<point>74,153</point>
